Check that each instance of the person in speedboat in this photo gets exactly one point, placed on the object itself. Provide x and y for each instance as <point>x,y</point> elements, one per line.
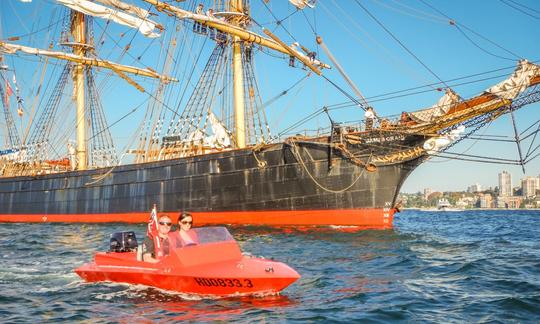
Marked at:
<point>186,235</point>
<point>154,254</point>
<point>155,249</point>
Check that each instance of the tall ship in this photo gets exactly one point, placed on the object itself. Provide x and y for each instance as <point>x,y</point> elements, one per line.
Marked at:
<point>205,143</point>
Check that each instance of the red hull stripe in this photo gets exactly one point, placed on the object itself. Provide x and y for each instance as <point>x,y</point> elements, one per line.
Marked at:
<point>365,217</point>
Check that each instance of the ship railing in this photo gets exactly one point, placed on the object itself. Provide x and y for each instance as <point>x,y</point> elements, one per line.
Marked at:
<point>391,122</point>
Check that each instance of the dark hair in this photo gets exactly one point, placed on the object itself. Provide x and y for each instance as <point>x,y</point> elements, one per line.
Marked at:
<point>184,214</point>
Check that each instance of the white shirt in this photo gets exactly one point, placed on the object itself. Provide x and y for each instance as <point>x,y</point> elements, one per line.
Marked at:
<point>369,114</point>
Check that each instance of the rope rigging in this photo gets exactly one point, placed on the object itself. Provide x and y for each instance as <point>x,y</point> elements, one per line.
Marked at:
<point>459,25</point>
<point>516,5</point>
<point>400,43</point>
<point>418,90</point>
<point>13,138</point>
<point>279,22</point>
<point>385,96</point>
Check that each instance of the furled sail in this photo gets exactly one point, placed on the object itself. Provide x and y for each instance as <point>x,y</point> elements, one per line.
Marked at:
<point>196,136</point>
<point>13,48</point>
<point>139,12</point>
<point>301,4</point>
<point>145,26</point>
<point>444,104</point>
<point>221,138</point>
<point>437,144</point>
<point>517,82</point>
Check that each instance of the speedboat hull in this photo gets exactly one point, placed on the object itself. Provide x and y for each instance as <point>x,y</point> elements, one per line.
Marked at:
<point>217,269</point>
<point>242,277</point>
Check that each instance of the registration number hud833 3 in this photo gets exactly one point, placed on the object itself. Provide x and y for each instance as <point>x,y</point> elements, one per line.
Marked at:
<point>222,282</point>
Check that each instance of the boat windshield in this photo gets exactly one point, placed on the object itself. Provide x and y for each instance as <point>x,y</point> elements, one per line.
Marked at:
<point>212,234</point>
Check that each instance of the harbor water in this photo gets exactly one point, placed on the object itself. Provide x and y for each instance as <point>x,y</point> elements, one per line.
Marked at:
<point>471,266</point>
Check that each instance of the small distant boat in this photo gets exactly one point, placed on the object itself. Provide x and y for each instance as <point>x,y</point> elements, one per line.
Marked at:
<point>444,205</point>
<point>213,267</point>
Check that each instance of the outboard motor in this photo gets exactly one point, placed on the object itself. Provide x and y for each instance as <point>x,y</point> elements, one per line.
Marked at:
<point>123,242</point>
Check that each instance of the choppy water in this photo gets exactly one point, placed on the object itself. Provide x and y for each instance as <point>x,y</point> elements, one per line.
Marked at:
<point>474,266</point>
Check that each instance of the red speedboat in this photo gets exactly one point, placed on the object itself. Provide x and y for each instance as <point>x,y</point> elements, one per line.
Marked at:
<point>215,266</point>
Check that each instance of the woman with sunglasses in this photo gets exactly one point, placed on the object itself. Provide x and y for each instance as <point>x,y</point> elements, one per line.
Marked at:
<point>186,235</point>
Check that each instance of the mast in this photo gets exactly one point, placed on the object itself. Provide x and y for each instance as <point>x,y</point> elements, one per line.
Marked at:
<point>78,30</point>
<point>234,21</point>
<point>88,111</point>
<point>238,82</point>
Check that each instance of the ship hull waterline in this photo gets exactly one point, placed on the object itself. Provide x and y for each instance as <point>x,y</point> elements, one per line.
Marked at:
<point>270,187</point>
<point>375,218</point>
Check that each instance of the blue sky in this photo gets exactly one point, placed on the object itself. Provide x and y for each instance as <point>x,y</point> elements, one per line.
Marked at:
<point>372,57</point>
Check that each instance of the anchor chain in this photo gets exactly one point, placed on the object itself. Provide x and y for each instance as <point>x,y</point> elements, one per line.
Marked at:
<point>257,148</point>
<point>370,167</point>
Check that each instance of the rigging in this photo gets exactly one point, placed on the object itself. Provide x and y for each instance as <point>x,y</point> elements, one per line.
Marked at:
<point>400,43</point>
<point>516,5</point>
<point>459,25</point>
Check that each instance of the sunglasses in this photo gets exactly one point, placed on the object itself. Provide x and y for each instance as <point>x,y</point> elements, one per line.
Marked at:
<point>165,223</point>
<point>186,222</point>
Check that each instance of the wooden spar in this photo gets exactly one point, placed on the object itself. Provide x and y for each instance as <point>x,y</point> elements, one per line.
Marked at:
<point>472,102</point>
<point>13,48</point>
<point>363,100</point>
<point>483,98</point>
<point>245,35</point>
<point>125,77</point>
<point>230,29</point>
<point>294,53</point>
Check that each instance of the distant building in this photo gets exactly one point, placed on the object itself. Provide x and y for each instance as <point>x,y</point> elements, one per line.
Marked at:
<point>537,202</point>
<point>485,201</point>
<point>529,186</point>
<point>465,202</point>
<point>404,199</point>
<point>427,192</point>
<point>474,188</point>
<point>505,184</point>
<point>509,202</point>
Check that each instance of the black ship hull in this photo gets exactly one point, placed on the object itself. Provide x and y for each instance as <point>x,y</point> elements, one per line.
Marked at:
<point>299,183</point>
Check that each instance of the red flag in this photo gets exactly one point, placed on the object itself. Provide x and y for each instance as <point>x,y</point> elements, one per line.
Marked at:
<point>153,231</point>
<point>8,93</point>
<point>152,223</point>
